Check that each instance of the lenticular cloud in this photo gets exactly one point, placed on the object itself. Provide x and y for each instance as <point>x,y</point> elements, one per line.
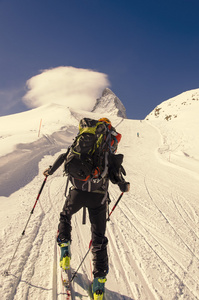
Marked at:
<point>76,88</point>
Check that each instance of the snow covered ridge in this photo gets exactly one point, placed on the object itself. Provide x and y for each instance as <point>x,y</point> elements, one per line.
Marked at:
<point>178,122</point>
<point>177,107</point>
<point>110,104</point>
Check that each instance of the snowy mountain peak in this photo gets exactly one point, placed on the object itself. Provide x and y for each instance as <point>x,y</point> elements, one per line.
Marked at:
<point>107,91</point>
<point>109,103</point>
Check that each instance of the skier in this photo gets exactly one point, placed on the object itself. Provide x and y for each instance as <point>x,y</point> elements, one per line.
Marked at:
<point>95,199</point>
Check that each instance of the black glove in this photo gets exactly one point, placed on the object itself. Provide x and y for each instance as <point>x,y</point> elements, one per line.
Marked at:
<point>124,186</point>
<point>115,175</point>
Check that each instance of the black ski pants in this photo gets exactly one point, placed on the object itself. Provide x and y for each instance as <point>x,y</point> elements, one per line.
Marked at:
<point>97,215</point>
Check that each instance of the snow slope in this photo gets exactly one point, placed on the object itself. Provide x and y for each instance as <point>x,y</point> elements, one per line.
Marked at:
<point>153,233</point>
<point>177,119</point>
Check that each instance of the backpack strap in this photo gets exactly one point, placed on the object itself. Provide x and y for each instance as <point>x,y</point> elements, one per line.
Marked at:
<point>105,172</point>
<point>106,164</point>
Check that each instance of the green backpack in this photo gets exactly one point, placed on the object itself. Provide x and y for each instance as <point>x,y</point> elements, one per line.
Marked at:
<point>88,155</point>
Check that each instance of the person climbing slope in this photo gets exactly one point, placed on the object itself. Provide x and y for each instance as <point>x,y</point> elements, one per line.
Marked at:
<point>90,163</point>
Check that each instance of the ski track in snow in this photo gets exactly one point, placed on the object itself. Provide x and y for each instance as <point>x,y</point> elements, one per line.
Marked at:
<point>153,233</point>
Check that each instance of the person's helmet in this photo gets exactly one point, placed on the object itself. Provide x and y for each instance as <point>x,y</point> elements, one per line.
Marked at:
<point>106,120</point>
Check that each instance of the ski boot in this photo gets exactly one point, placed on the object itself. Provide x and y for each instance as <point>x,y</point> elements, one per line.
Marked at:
<point>98,288</point>
<point>65,255</point>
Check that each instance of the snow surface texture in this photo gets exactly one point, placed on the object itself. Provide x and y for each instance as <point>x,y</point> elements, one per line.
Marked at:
<point>153,233</point>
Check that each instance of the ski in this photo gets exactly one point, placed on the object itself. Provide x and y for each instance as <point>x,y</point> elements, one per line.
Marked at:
<point>66,282</point>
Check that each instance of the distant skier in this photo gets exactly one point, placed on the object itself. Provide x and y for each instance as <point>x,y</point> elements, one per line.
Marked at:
<point>89,171</point>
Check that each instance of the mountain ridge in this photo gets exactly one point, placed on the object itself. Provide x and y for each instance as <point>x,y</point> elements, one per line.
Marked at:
<point>176,107</point>
<point>109,103</point>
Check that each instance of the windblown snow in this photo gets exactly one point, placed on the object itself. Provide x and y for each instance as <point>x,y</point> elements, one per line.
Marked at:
<point>154,231</point>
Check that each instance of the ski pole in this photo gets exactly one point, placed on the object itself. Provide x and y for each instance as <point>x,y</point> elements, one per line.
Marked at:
<point>6,273</point>
<point>90,244</point>
<point>74,275</point>
<point>118,200</point>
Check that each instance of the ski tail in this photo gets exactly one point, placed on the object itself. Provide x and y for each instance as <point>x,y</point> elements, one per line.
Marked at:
<point>66,282</point>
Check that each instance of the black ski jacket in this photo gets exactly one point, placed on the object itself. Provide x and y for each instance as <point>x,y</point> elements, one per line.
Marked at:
<point>115,171</point>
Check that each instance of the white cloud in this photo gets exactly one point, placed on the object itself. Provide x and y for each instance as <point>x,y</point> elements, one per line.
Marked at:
<point>76,88</point>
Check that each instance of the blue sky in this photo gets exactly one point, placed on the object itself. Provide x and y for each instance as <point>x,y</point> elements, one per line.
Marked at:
<point>148,49</point>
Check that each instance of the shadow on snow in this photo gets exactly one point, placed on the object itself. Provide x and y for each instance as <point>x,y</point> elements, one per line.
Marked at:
<point>83,281</point>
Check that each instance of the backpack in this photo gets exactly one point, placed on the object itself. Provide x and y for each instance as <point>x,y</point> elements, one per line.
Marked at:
<point>87,158</point>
